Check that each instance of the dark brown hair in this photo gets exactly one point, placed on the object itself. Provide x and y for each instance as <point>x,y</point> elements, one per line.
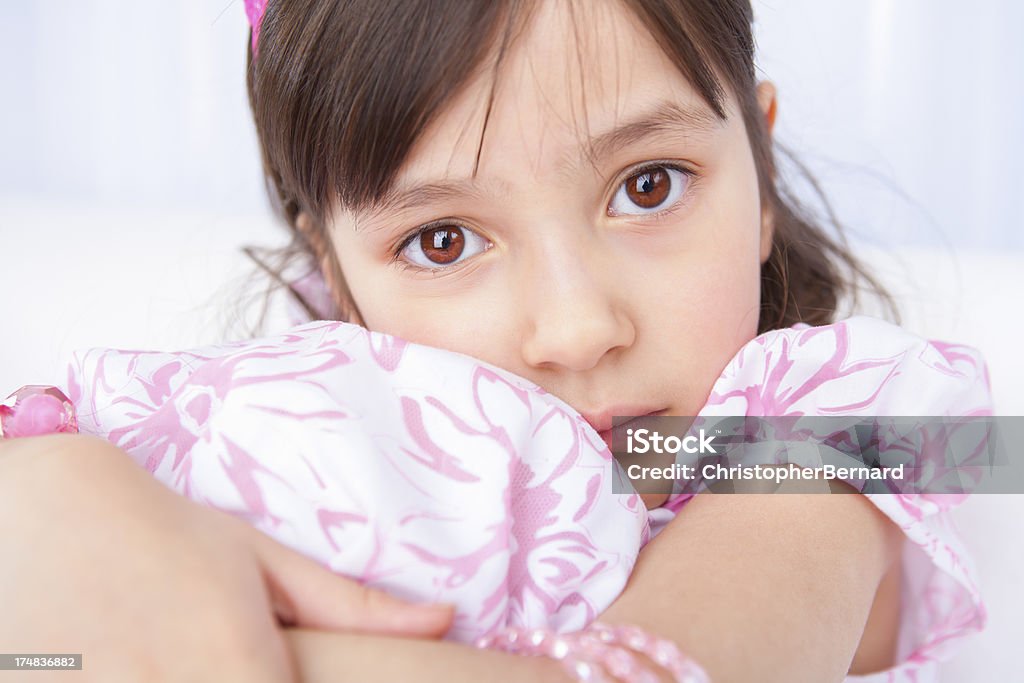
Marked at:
<point>341,90</point>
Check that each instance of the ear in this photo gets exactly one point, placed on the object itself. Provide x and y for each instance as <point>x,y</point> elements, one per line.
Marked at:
<point>768,104</point>
<point>304,224</point>
<point>767,233</point>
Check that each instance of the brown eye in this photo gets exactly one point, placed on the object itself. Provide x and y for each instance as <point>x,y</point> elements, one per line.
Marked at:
<point>649,190</point>
<point>443,245</point>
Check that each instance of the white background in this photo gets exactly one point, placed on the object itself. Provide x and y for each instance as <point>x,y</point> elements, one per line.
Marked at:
<point>129,178</point>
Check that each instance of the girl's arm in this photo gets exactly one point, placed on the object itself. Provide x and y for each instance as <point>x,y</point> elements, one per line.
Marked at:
<point>770,587</point>
<point>330,657</point>
<point>765,587</point>
<point>102,559</point>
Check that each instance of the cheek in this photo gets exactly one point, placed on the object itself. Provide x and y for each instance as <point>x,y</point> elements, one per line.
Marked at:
<point>708,305</point>
<point>710,271</point>
<point>703,292</point>
<point>464,324</point>
<point>463,315</point>
<point>733,255</point>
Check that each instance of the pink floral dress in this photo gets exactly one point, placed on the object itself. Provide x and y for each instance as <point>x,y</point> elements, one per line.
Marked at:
<point>438,477</point>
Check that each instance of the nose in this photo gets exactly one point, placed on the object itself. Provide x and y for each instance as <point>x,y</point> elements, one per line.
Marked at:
<point>573,311</point>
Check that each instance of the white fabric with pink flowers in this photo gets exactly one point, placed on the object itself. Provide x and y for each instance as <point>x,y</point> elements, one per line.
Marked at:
<point>439,477</point>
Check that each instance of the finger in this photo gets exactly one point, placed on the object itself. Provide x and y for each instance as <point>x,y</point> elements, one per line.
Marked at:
<point>308,595</point>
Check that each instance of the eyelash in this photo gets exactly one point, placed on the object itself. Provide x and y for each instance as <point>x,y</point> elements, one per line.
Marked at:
<point>691,177</point>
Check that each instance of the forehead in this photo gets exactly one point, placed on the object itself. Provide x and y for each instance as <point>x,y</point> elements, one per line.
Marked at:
<point>574,73</point>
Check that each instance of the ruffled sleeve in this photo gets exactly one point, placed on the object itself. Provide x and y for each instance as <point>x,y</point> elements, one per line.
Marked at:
<point>868,367</point>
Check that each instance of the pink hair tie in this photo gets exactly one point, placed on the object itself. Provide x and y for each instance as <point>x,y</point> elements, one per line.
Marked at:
<point>36,409</point>
<point>254,9</point>
<point>598,651</point>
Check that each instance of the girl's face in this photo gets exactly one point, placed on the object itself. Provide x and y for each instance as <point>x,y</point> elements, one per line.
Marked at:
<point>609,246</point>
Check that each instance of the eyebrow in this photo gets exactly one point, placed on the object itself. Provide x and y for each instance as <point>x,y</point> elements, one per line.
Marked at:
<point>664,117</point>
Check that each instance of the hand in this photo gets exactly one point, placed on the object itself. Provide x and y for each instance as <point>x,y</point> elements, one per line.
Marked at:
<point>103,560</point>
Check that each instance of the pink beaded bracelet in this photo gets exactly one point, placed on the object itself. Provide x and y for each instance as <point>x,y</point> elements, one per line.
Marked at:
<point>37,409</point>
<point>600,649</point>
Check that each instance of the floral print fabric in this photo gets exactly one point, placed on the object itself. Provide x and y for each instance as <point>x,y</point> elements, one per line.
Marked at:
<point>438,477</point>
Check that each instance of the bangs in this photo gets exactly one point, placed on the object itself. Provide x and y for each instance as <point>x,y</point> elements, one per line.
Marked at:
<point>342,90</point>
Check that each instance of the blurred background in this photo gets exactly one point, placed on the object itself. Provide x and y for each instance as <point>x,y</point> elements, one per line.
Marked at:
<point>130,178</point>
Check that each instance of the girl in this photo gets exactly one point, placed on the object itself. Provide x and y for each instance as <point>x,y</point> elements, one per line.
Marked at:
<point>582,194</point>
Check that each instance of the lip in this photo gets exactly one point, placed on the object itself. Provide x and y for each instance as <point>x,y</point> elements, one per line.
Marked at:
<point>601,421</point>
